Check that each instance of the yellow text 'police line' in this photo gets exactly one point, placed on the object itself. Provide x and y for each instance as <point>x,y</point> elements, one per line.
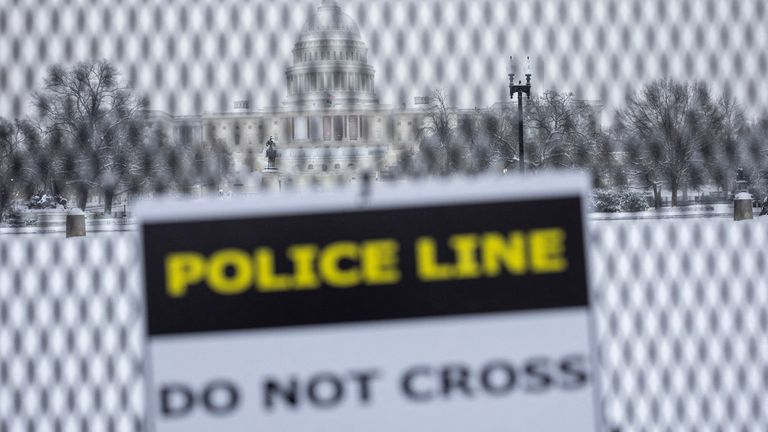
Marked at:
<point>346,264</point>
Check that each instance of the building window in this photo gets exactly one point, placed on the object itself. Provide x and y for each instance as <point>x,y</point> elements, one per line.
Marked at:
<point>315,128</point>
<point>337,166</point>
<point>338,128</point>
<point>327,128</point>
<point>325,167</point>
<point>300,128</point>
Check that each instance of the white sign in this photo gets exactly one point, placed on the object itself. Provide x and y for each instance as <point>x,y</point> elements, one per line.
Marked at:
<point>449,307</point>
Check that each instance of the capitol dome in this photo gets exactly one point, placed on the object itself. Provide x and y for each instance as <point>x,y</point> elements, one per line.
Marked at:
<point>328,23</point>
<point>330,63</point>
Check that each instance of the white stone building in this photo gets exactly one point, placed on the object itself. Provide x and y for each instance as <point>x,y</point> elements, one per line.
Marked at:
<point>331,120</point>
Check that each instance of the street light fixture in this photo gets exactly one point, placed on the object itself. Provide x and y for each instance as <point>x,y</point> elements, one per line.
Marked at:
<point>518,89</point>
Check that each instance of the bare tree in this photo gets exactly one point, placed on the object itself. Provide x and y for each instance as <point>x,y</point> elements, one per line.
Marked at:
<point>138,162</point>
<point>562,131</point>
<point>605,160</point>
<point>210,161</point>
<point>439,119</point>
<point>488,135</point>
<point>152,161</point>
<point>9,144</point>
<point>88,108</point>
<point>436,136</point>
<point>724,148</point>
<point>499,126</point>
<point>666,123</point>
<point>756,154</point>
<point>8,158</point>
<point>22,163</point>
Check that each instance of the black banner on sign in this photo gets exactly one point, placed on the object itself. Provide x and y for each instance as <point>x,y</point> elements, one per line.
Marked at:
<point>364,265</point>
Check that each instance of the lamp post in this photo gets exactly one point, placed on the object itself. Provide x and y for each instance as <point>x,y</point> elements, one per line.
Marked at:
<point>518,89</point>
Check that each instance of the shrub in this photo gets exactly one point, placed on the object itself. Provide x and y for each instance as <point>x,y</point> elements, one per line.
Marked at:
<point>13,218</point>
<point>605,201</point>
<point>614,201</point>
<point>633,201</point>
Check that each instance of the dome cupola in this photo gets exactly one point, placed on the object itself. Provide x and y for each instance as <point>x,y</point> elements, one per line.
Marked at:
<point>330,22</point>
<point>330,63</point>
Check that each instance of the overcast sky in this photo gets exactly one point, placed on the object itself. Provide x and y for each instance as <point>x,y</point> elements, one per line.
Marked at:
<point>598,49</point>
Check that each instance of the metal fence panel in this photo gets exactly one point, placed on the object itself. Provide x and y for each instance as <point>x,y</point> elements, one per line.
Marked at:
<point>681,308</point>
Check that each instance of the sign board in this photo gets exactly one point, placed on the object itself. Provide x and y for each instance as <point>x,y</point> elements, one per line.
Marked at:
<point>422,100</point>
<point>455,306</point>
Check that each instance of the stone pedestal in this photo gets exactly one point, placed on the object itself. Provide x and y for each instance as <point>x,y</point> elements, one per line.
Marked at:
<point>76,223</point>
<point>742,206</point>
<point>271,180</point>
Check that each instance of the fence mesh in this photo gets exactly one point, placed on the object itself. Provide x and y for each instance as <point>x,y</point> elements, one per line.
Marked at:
<point>196,56</point>
<point>682,314</point>
<point>680,306</point>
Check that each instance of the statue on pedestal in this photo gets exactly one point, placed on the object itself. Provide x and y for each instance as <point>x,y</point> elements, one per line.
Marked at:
<point>742,183</point>
<point>271,153</point>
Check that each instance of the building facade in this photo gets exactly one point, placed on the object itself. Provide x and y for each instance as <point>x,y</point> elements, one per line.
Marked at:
<point>331,120</point>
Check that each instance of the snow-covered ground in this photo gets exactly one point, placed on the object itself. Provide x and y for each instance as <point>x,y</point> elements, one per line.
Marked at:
<point>697,211</point>
<point>54,221</point>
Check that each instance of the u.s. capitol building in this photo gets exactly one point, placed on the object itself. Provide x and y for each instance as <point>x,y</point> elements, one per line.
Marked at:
<point>331,119</point>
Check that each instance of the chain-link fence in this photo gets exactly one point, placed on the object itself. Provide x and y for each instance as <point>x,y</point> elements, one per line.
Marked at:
<point>325,77</point>
<point>192,91</point>
<point>190,57</point>
<point>681,311</point>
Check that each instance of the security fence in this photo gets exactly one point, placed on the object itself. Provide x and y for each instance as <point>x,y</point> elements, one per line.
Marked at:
<point>680,306</point>
<point>682,312</point>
